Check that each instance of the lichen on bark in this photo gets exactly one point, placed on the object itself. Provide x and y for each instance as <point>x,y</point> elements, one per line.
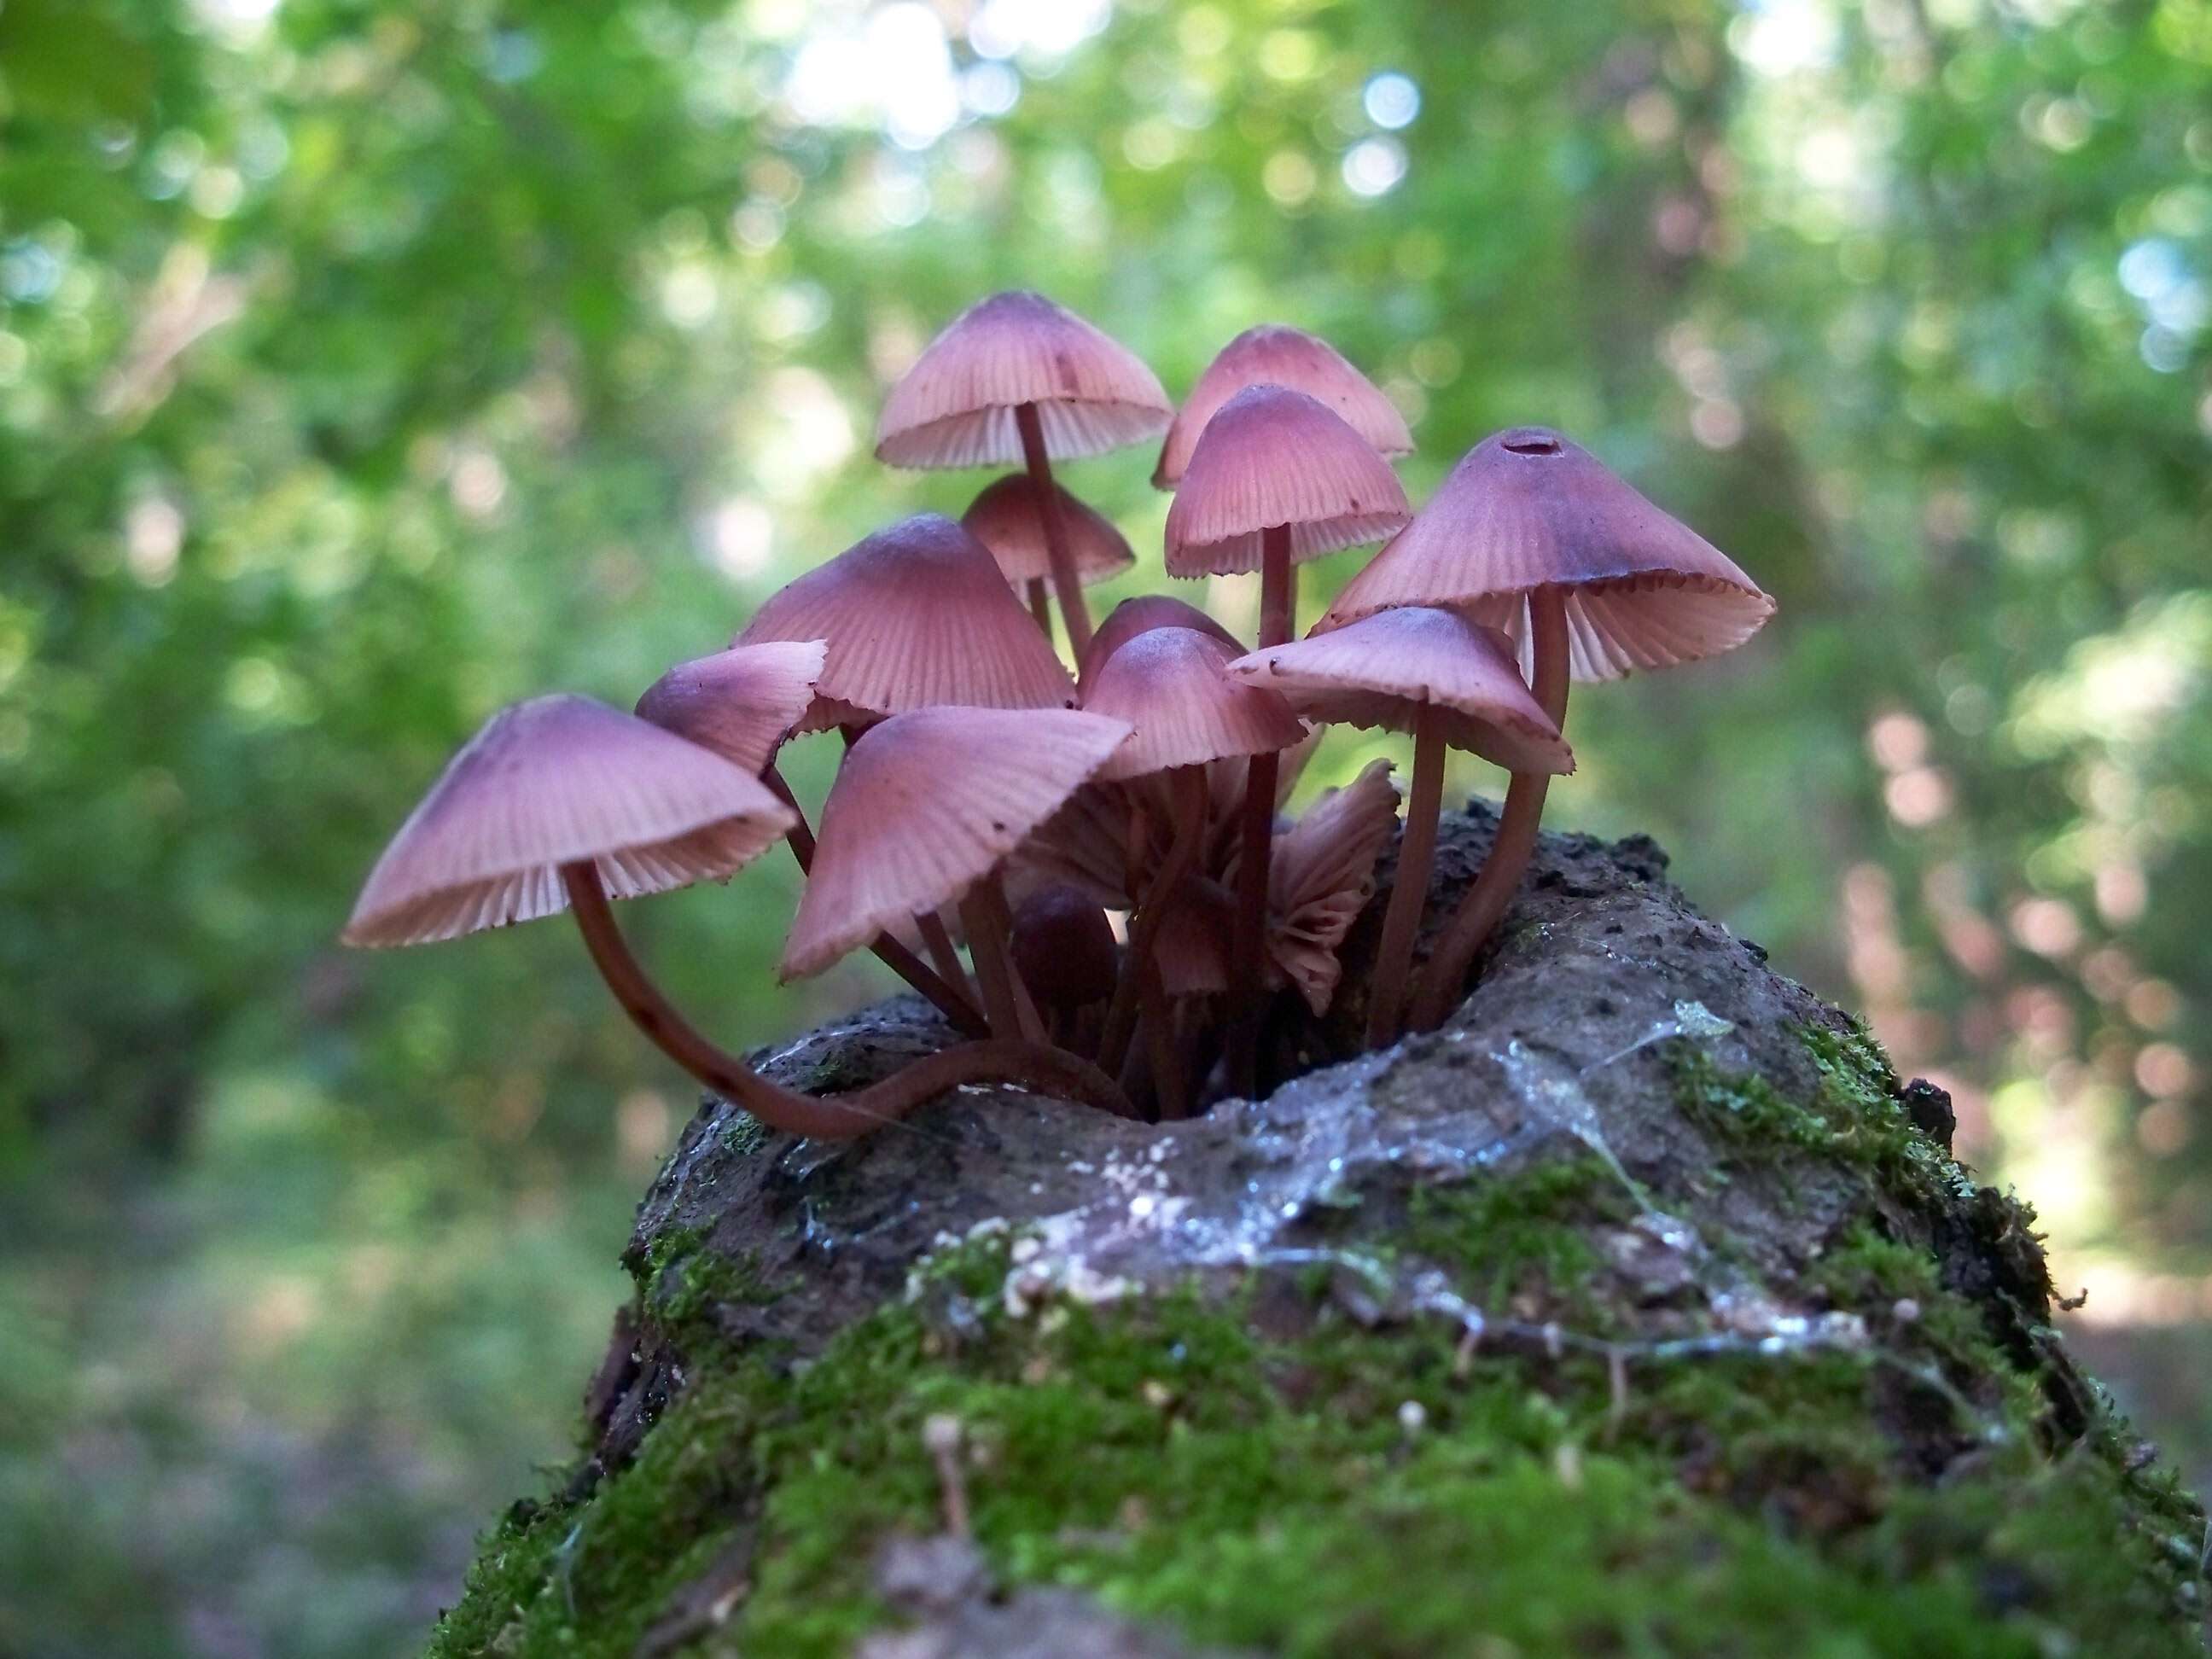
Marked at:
<point>1640,1310</point>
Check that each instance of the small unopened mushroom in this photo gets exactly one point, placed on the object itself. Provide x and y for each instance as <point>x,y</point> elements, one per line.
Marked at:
<point>925,810</point>
<point>559,802</point>
<point>1274,353</point>
<point>1451,683</point>
<point>1275,478</point>
<point>1018,378</point>
<point>1008,518</point>
<point>1169,683</point>
<point>742,703</point>
<point>1534,534</point>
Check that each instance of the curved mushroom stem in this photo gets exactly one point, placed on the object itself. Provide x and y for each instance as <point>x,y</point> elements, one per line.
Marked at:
<point>1190,786</point>
<point>983,913</point>
<point>1417,850</point>
<point>1040,606</point>
<point>1485,904</point>
<point>1032,1065</point>
<point>1066,587</point>
<point>956,1008</point>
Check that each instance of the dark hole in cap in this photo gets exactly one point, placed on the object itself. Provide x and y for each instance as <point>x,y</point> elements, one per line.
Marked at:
<point>1532,440</point>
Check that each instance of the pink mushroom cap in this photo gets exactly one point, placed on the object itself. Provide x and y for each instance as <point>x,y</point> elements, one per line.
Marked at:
<point>1139,616</point>
<point>561,780</point>
<point>916,615</point>
<point>1383,669</point>
<point>1274,353</point>
<point>741,702</point>
<point>928,803</point>
<point>955,406</point>
<point>1274,456</point>
<point>1171,686</point>
<point>1526,509</point>
<point>1006,520</point>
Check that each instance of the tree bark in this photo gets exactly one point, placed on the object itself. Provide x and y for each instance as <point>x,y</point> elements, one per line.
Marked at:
<point>1643,1289</point>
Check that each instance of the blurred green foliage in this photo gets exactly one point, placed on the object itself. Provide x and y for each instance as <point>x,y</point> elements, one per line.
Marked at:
<point>366,365</point>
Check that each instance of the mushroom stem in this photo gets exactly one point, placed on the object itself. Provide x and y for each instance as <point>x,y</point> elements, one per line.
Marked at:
<point>1028,1064</point>
<point>1188,785</point>
<point>1172,1088</point>
<point>1248,967</point>
<point>966,1018</point>
<point>1066,587</point>
<point>983,913</point>
<point>1417,848</point>
<point>1278,588</point>
<point>937,940</point>
<point>1040,606</point>
<point>1485,904</point>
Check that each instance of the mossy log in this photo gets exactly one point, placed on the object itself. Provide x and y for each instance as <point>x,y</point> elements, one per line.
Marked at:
<point>1642,1309</point>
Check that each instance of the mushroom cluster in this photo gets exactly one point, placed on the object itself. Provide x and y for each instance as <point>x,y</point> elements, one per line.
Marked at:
<point>988,797</point>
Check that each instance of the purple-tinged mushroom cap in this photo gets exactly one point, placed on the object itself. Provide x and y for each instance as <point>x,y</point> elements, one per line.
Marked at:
<point>925,805</point>
<point>561,780</point>
<point>742,702</point>
<point>1274,353</point>
<point>1274,458</point>
<point>915,616</point>
<point>955,406</point>
<point>1526,509</point>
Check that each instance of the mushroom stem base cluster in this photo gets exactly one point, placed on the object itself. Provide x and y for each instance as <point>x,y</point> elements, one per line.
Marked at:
<point>1029,1064</point>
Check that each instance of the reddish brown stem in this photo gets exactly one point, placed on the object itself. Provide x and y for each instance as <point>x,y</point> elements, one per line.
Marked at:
<point>1040,606</point>
<point>983,913</point>
<point>1417,847</point>
<point>1486,902</point>
<point>1049,1071</point>
<point>1169,1082</point>
<point>937,940</point>
<point>1189,784</point>
<point>966,1018</point>
<point>1066,587</point>
<point>1247,966</point>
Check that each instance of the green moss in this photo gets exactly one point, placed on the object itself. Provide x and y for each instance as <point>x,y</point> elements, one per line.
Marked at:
<point>1257,1492</point>
<point>1854,1119</point>
<point>744,1135</point>
<point>683,1280</point>
<point>1522,1235</point>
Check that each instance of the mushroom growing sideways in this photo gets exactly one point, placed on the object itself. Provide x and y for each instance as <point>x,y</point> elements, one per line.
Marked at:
<point>925,808</point>
<point>560,802</point>
<point>1018,378</point>
<point>1451,683</point>
<point>1534,533</point>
